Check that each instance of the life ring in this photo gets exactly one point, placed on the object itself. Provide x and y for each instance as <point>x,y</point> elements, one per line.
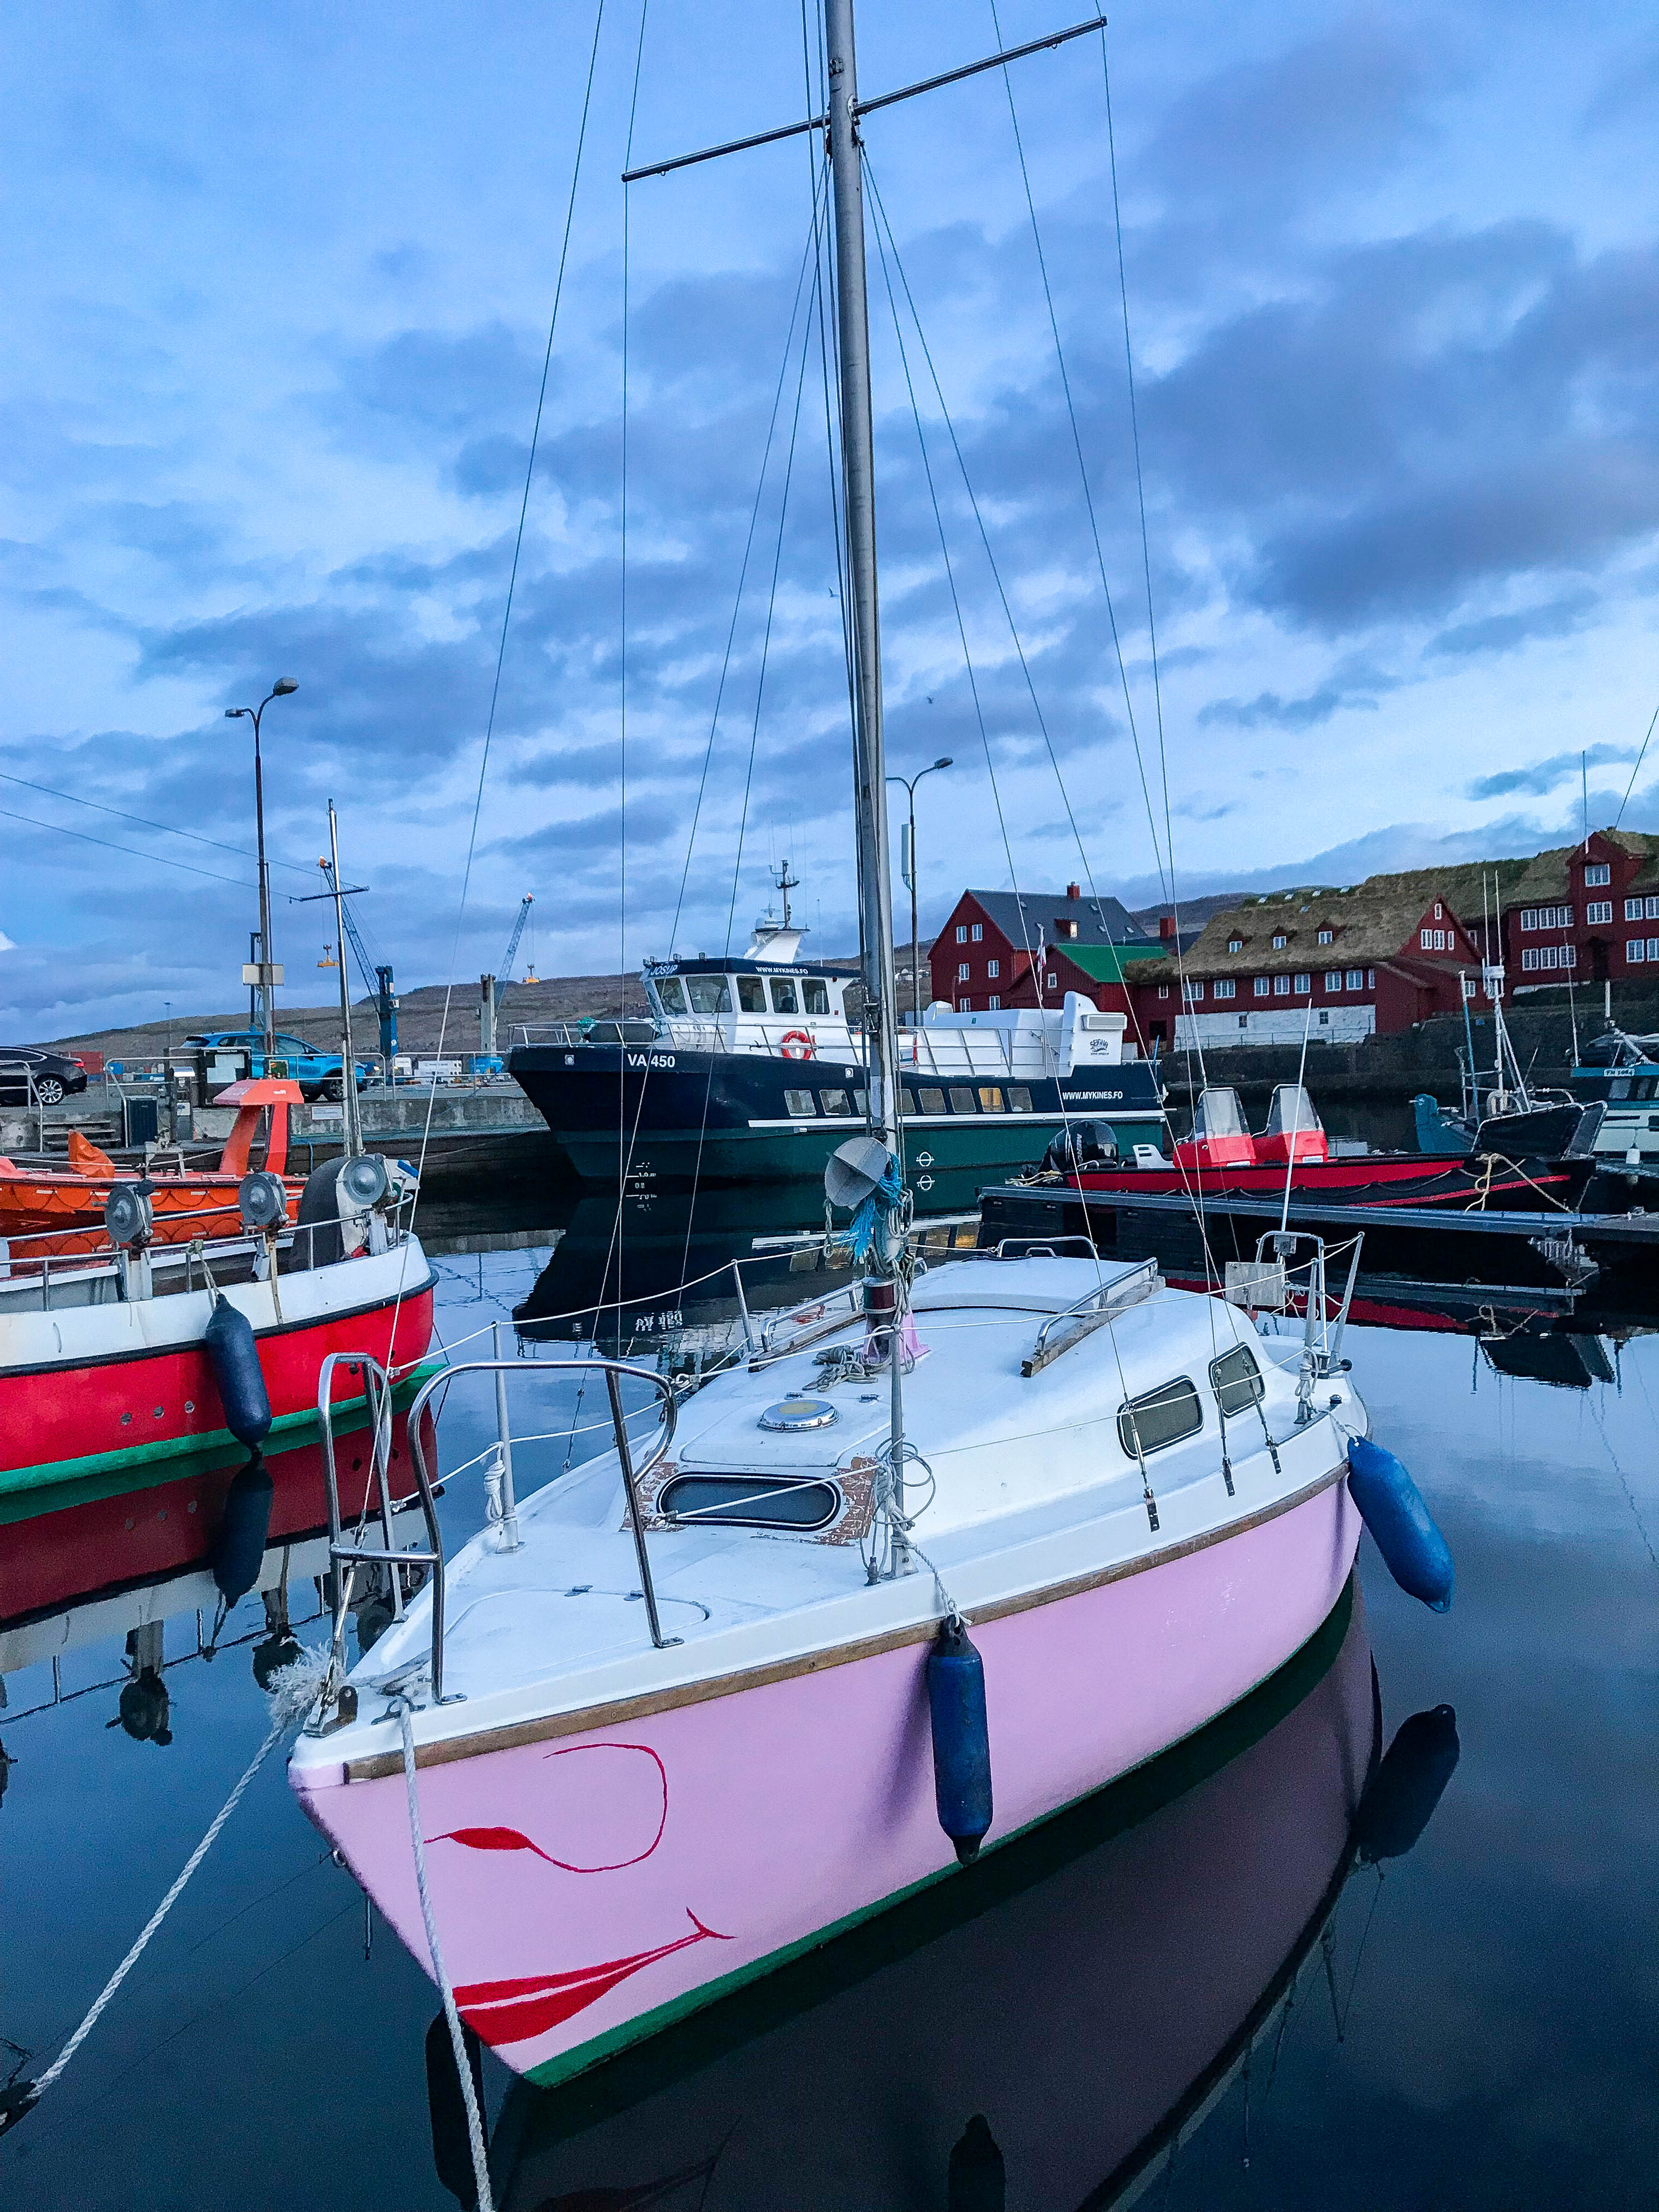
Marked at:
<point>803,1046</point>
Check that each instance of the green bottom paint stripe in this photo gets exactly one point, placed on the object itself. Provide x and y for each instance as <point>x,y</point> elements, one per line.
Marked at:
<point>27,1490</point>
<point>1005,1867</point>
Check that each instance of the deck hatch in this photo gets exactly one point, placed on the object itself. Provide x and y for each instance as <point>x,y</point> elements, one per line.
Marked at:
<point>748,1501</point>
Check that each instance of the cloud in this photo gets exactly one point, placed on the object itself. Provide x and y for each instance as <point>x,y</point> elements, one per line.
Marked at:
<point>1353,685</point>
<point>1544,775</point>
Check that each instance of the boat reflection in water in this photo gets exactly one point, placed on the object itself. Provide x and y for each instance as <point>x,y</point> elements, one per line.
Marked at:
<point>656,1274</point>
<point>158,1566</point>
<point>1042,2029</point>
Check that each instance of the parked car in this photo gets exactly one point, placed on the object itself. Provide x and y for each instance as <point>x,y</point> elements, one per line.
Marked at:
<point>55,1075</point>
<point>317,1073</point>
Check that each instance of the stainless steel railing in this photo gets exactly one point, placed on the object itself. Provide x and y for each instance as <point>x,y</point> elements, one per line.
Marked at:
<point>377,1390</point>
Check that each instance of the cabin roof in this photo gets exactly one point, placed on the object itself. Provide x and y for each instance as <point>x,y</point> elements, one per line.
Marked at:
<point>833,970</point>
<point>1373,921</point>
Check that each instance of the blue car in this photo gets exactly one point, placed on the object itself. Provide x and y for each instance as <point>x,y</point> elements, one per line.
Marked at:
<point>317,1073</point>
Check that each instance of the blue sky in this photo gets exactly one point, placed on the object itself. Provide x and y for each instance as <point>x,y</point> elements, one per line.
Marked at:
<point>277,285</point>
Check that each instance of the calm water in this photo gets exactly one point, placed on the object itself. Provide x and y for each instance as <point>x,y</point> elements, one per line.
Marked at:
<point>1468,2022</point>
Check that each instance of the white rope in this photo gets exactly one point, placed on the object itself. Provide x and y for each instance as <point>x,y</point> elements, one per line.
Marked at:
<point>294,1690</point>
<point>457,2041</point>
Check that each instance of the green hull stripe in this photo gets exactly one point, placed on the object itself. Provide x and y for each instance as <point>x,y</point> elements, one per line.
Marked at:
<point>1012,1863</point>
<point>26,1491</point>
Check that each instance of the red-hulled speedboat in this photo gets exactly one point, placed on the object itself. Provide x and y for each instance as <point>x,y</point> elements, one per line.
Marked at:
<point>1222,1157</point>
<point>105,1361</point>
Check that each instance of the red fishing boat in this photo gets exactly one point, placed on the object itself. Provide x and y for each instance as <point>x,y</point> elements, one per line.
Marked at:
<point>109,1359</point>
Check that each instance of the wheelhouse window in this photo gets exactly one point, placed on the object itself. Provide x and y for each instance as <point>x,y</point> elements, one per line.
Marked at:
<point>1237,1380</point>
<point>814,995</point>
<point>932,1101</point>
<point>1159,1418</point>
<point>990,1099</point>
<point>672,991</point>
<point>708,994</point>
<point>786,999</point>
<point>962,1101</point>
<point>834,1102</point>
<point>1019,1098</point>
<point>751,994</point>
<point>799,1104</point>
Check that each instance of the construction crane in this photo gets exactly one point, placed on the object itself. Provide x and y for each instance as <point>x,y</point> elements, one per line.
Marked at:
<point>377,976</point>
<point>517,932</point>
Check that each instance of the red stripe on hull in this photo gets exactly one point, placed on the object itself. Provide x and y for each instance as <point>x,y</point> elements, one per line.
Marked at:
<point>73,1413</point>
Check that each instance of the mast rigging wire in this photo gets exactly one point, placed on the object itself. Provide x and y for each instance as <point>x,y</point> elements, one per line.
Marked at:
<point>168,828</point>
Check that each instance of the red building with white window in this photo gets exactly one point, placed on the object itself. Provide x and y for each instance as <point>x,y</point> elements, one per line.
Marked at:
<point>1585,913</point>
<point>1335,966</point>
<point>1028,949</point>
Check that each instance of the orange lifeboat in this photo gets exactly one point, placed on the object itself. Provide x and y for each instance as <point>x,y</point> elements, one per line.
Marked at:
<point>62,1211</point>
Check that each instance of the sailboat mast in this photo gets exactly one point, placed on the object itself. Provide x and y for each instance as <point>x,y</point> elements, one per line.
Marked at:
<point>885,1297</point>
<point>859,468</point>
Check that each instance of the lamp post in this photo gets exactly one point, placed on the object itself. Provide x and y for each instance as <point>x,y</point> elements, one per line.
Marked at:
<point>909,872</point>
<point>280,689</point>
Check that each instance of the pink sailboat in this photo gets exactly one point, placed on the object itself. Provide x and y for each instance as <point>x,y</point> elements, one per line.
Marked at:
<point>939,1559</point>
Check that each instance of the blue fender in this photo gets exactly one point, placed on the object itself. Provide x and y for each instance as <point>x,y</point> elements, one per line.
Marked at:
<point>234,1355</point>
<point>238,1546</point>
<point>962,1740</point>
<point>1391,1505</point>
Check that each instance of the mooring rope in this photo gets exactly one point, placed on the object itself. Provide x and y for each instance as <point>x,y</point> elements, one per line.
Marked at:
<point>457,2041</point>
<point>293,1692</point>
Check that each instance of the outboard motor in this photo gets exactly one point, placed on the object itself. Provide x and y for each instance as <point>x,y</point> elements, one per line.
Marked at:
<point>1081,1145</point>
<point>335,1207</point>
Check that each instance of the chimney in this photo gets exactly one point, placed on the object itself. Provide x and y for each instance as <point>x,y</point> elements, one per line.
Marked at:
<point>1166,928</point>
<point>1074,891</point>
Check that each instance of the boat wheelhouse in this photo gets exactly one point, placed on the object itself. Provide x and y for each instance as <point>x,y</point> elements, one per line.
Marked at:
<point>754,1067</point>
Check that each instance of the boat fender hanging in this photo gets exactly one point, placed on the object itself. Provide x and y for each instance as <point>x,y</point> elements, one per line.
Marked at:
<point>1391,1505</point>
<point>233,1356</point>
<point>962,1742</point>
<point>239,1548</point>
<point>1407,1787</point>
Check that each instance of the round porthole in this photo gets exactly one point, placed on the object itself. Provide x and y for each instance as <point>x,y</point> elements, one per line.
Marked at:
<point>792,1415</point>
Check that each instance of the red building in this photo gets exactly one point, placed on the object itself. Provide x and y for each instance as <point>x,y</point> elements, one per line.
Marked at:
<point>1585,913</point>
<point>1029,948</point>
<point>1335,966</point>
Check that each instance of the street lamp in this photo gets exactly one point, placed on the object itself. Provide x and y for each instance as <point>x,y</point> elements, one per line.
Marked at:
<point>280,689</point>
<point>909,872</point>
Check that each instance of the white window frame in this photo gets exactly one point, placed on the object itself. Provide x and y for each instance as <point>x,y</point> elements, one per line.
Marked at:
<point>1356,980</point>
<point>1226,989</point>
<point>964,972</point>
<point>1333,979</point>
<point>977,932</point>
<point>1262,986</point>
<point>994,1003</point>
<point>962,933</point>
<point>1597,911</point>
<point>1597,873</point>
<point>1281,987</point>
<point>993,967</point>
<point>1302,985</point>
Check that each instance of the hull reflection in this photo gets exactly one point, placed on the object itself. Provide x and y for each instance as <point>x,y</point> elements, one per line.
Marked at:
<point>1037,2032</point>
